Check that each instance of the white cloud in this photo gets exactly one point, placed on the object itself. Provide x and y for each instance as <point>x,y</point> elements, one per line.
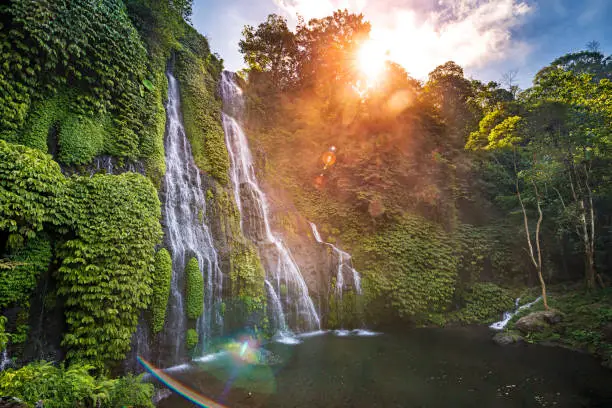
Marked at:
<point>420,35</point>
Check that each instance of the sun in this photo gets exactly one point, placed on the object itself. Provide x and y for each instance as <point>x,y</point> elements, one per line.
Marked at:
<point>371,60</point>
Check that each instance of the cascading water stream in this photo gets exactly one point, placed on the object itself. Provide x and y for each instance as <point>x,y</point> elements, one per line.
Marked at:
<point>5,361</point>
<point>288,293</point>
<point>344,263</point>
<point>187,234</point>
<point>508,315</point>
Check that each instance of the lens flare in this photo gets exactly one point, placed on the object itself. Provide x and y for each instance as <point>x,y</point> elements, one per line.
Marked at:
<point>181,389</point>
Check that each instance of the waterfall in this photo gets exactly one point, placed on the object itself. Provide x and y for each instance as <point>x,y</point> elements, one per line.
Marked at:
<point>6,360</point>
<point>508,315</point>
<point>343,266</point>
<point>344,260</point>
<point>284,280</point>
<point>187,234</point>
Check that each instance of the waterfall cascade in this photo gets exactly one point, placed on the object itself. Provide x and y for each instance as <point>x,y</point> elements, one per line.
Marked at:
<point>5,361</point>
<point>344,261</point>
<point>187,233</point>
<point>288,293</point>
<point>508,315</point>
<point>344,269</point>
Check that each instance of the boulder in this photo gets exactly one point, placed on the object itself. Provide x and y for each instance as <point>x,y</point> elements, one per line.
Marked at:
<point>506,338</point>
<point>538,321</point>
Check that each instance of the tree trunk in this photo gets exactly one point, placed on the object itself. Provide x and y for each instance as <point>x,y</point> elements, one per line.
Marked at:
<point>539,265</point>
<point>532,254</point>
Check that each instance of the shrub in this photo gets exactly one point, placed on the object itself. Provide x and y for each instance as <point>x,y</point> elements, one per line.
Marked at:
<point>161,289</point>
<point>75,386</point>
<point>130,391</point>
<point>195,289</point>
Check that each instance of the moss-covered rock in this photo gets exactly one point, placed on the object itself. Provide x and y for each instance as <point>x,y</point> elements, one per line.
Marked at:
<point>538,321</point>
<point>192,339</point>
<point>202,111</point>
<point>161,289</point>
<point>195,289</point>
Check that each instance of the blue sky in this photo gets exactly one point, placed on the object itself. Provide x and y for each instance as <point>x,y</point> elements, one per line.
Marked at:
<point>486,37</point>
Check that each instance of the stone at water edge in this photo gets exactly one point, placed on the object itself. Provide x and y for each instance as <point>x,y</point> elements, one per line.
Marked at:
<point>538,321</point>
<point>505,338</point>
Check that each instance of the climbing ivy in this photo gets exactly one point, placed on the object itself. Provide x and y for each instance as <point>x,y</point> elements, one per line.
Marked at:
<point>73,69</point>
<point>202,110</point>
<point>195,289</point>
<point>484,303</point>
<point>161,289</point>
<point>247,278</point>
<point>107,262</point>
<point>18,282</point>
<point>30,183</point>
<point>409,265</point>
<point>90,44</point>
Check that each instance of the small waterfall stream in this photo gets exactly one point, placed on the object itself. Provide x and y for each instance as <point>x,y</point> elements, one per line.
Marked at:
<point>5,361</point>
<point>344,266</point>
<point>344,260</point>
<point>188,234</point>
<point>508,315</point>
<point>288,293</point>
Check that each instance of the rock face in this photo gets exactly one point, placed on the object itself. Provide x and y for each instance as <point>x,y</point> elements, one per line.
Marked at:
<point>538,321</point>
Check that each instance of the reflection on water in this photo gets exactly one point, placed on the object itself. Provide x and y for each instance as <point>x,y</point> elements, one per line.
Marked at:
<point>420,368</point>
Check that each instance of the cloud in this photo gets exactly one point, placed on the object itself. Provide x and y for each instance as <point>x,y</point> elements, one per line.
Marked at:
<point>420,34</point>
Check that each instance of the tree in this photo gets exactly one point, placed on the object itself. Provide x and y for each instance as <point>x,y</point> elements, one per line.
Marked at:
<point>271,48</point>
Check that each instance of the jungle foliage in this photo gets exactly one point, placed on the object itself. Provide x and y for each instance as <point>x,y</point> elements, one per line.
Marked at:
<point>74,386</point>
<point>431,171</point>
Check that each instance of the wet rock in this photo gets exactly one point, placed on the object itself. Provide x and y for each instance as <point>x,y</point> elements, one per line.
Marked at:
<point>506,338</point>
<point>538,321</point>
<point>9,402</point>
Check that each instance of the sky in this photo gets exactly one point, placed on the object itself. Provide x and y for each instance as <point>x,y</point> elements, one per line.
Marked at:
<point>488,38</point>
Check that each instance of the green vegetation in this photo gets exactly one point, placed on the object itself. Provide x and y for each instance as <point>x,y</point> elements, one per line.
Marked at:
<point>161,289</point>
<point>585,323</point>
<point>247,279</point>
<point>18,282</point>
<point>4,338</point>
<point>411,265</point>
<point>201,110</point>
<point>192,338</point>
<point>107,265</point>
<point>438,186</point>
<point>74,386</point>
<point>78,81</point>
<point>484,303</point>
<point>195,289</point>
<point>86,78</point>
<point>30,182</point>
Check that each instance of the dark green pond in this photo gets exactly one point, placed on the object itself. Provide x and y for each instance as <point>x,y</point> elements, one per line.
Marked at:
<point>419,368</point>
